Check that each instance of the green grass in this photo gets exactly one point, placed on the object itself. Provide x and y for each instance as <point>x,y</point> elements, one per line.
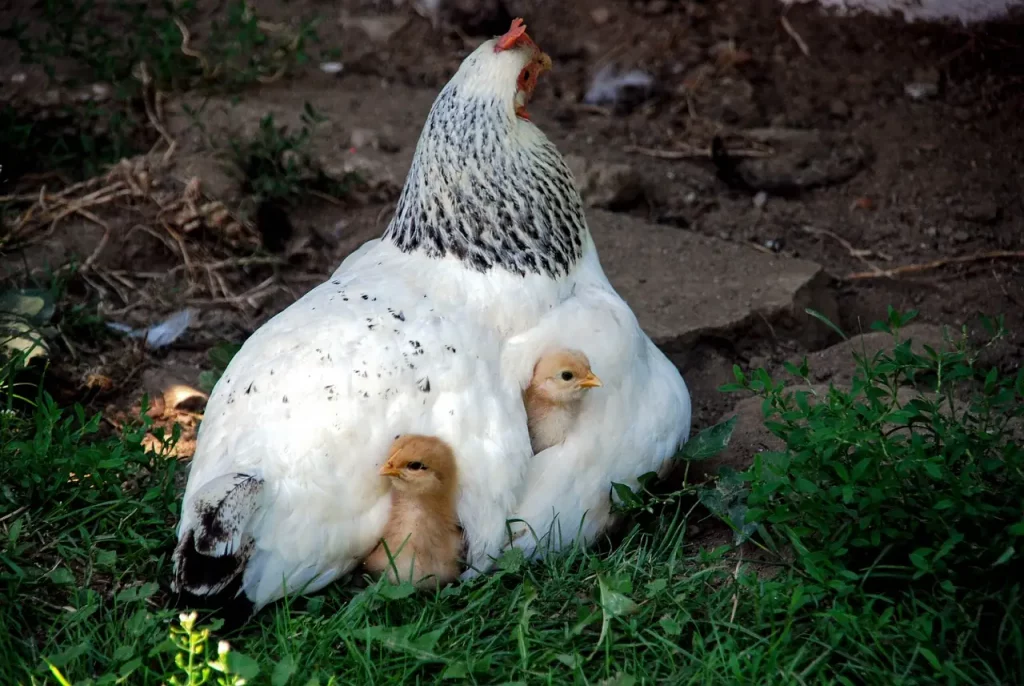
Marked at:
<point>877,579</point>
<point>276,166</point>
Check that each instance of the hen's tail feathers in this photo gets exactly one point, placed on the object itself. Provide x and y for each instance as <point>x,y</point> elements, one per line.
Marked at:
<point>215,541</point>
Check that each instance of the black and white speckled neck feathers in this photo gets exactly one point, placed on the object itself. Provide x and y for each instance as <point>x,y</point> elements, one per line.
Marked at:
<point>485,186</point>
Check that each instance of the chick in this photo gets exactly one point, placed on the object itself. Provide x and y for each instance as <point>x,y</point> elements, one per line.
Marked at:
<point>555,394</point>
<point>422,533</point>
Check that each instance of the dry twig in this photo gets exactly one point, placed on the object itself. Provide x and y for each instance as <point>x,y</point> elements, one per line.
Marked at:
<point>788,28</point>
<point>935,264</point>
<point>692,152</point>
<point>861,254</point>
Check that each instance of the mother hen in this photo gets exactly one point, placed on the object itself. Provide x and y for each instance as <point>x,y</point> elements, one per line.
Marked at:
<point>488,246</point>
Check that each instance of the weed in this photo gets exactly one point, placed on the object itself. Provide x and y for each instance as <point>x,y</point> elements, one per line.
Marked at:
<point>132,47</point>
<point>276,163</point>
<point>909,485</point>
<point>219,357</point>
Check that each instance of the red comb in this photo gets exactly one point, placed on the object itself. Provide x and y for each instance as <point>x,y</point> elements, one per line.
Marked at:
<point>513,37</point>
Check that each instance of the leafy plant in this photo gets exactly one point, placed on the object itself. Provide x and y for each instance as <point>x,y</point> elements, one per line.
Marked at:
<point>704,445</point>
<point>219,356</point>
<point>195,663</point>
<point>276,164</point>
<point>910,480</point>
<point>130,47</point>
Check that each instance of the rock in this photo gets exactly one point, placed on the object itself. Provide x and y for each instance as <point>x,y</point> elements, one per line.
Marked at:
<point>481,18</point>
<point>172,388</point>
<point>731,100</point>
<point>804,160</point>
<point>620,90</point>
<point>980,212</point>
<point>836,364</point>
<point>600,15</point>
<point>606,184</point>
<point>362,138</point>
<point>379,29</point>
<point>726,54</point>
<point>839,109</point>
<point>961,236</point>
<point>683,286</point>
<point>371,138</point>
<point>371,174</point>
<point>925,84</point>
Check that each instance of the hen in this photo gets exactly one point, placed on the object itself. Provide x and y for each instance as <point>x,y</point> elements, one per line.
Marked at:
<point>406,338</point>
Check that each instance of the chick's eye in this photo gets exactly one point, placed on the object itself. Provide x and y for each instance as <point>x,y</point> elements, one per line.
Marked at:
<point>566,376</point>
<point>416,466</point>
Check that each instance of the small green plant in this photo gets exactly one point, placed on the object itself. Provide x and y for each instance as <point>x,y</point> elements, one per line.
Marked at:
<point>111,40</point>
<point>219,357</point>
<point>131,47</point>
<point>276,165</point>
<point>195,663</point>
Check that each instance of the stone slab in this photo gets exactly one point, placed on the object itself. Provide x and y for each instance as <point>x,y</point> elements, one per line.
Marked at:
<point>683,285</point>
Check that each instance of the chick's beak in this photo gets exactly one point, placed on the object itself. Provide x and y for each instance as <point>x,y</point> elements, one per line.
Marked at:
<point>389,470</point>
<point>590,381</point>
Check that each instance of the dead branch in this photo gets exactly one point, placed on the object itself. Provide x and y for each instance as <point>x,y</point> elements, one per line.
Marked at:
<point>935,264</point>
<point>788,28</point>
<point>692,152</point>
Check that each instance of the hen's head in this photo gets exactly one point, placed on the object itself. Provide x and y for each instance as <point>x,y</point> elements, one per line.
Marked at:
<point>486,185</point>
<point>499,63</point>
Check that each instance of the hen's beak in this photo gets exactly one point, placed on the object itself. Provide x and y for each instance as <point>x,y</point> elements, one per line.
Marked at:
<point>388,470</point>
<point>590,381</point>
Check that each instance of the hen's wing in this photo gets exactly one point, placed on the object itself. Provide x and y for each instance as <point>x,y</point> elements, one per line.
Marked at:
<point>284,493</point>
<point>629,426</point>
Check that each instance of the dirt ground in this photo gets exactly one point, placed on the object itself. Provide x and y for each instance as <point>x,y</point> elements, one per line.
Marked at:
<point>912,153</point>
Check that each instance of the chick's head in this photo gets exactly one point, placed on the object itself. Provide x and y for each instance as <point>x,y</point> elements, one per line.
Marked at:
<point>563,376</point>
<point>422,465</point>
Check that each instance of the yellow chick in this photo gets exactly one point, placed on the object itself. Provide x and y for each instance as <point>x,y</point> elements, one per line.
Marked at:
<point>555,394</point>
<point>422,533</point>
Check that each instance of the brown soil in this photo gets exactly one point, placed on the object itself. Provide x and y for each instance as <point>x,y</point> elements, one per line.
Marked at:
<point>941,176</point>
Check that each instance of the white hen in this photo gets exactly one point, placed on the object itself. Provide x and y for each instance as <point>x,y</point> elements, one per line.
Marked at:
<point>406,337</point>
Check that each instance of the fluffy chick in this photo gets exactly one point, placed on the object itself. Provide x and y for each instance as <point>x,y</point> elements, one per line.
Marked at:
<point>422,533</point>
<point>555,395</point>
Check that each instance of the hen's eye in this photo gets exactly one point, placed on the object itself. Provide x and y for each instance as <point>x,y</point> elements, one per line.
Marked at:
<point>566,376</point>
<point>415,466</point>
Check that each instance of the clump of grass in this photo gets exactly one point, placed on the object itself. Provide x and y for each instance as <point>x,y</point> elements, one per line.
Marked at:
<point>277,166</point>
<point>86,524</point>
<point>133,47</point>
<point>107,42</point>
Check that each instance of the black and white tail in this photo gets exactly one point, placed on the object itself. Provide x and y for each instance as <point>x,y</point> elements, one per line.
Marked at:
<point>215,539</point>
